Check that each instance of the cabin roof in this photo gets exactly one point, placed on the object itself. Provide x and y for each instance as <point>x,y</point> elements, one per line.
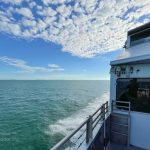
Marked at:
<point>144,59</point>
<point>139,29</point>
<point>137,54</point>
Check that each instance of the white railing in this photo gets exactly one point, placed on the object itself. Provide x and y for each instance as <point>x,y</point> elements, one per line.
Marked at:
<point>121,106</point>
<point>84,133</point>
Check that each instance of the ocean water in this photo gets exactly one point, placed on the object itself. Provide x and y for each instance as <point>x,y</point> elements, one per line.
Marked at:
<point>34,115</point>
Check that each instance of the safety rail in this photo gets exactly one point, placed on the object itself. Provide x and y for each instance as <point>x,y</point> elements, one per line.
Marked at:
<point>121,106</point>
<point>87,129</point>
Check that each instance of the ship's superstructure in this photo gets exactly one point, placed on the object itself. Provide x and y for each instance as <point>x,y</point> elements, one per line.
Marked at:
<point>130,82</point>
<point>123,122</point>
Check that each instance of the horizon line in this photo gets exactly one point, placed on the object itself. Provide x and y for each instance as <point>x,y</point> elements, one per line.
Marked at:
<point>54,79</point>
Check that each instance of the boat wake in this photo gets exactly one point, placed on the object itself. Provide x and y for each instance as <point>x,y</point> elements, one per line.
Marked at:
<point>67,125</point>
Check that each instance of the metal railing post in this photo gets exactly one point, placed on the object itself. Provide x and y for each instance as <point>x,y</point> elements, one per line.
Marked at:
<point>129,125</point>
<point>103,112</point>
<point>129,108</point>
<point>107,109</point>
<point>103,119</point>
<point>107,104</point>
<point>111,105</point>
<point>89,132</point>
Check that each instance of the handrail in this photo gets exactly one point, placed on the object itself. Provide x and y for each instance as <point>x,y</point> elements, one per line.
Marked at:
<point>119,105</point>
<point>97,117</point>
<point>64,140</point>
<point>122,106</point>
<point>97,111</point>
<point>89,122</point>
<point>121,102</point>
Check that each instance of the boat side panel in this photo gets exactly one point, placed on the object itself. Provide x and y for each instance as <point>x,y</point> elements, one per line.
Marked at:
<point>140,122</point>
<point>140,130</point>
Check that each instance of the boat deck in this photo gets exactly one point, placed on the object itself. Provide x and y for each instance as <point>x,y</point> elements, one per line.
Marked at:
<point>114,146</point>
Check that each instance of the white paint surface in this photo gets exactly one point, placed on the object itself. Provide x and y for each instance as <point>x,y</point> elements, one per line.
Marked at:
<point>140,130</point>
<point>140,122</point>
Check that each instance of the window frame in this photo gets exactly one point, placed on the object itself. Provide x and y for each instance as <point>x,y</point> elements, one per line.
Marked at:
<point>140,40</point>
<point>129,101</point>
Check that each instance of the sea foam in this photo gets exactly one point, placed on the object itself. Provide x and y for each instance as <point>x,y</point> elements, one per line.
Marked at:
<point>67,125</point>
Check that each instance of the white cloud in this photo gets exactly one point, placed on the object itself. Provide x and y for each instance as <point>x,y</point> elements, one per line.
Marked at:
<point>84,28</point>
<point>47,2</point>
<point>53,66</point>
<point>28,23</point>
<point>10,28</point>
<point>26,12</point>
<point>14,2</point>
<point>23,66</point>
<point>32,4</point>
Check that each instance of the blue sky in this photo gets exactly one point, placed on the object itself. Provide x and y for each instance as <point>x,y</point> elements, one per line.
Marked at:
<point>65,39</point>
<point>40,53</point>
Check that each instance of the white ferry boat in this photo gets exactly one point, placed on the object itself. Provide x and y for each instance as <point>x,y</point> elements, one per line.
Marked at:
<point>123,122</point>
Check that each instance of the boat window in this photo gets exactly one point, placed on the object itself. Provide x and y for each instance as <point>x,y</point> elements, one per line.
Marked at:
<point>140,37</point>
<point>137,91</point>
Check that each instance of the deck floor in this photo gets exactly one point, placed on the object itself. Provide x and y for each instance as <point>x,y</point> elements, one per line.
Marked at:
<point>114,146</point>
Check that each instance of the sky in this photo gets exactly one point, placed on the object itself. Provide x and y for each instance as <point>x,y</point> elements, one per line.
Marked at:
<point>65,39</point>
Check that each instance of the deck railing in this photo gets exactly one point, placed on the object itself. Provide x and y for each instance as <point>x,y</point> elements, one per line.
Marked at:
<point>121,106</point>
<point>84,133</point>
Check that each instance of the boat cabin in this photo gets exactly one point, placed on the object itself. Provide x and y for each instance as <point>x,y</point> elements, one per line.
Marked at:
<point>130,82</point>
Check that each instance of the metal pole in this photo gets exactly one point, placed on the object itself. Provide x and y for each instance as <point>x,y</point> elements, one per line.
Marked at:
<point>129,124</point>
<point>107,109</point>
<point>111,106</point>
<point>89,132</point>
<point>103,114</point>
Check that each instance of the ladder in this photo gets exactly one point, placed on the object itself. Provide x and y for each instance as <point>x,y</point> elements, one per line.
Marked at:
<point>120,124</point>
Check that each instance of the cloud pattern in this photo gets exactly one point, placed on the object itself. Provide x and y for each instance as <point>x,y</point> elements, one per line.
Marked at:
<point>24,67</point>
<point>84,28</point>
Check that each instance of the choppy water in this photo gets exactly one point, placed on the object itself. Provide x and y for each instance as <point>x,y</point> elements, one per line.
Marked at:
<point>34,115</point>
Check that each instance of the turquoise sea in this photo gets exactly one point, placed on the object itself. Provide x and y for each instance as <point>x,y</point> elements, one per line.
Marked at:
<point>34,115</point>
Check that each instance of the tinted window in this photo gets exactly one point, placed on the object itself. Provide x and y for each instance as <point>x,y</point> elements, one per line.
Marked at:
<point>137,91</point>
<point>141,37</point>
